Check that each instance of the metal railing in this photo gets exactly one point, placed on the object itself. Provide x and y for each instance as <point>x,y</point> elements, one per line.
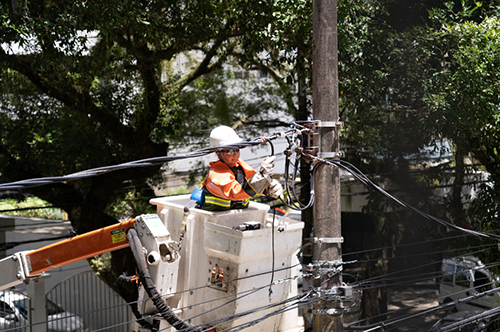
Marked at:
<point>86,303</point>
<point>14,311</point>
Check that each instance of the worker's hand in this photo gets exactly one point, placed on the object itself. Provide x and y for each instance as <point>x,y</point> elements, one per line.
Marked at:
<point>258,183</point>
<point>267,168</point>
<point>275,189</point>
<point>260,180</point>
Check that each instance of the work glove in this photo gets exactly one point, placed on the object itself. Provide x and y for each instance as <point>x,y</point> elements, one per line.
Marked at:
<point>267,168</point>
<point>275,189</point>
<point>260,180</point>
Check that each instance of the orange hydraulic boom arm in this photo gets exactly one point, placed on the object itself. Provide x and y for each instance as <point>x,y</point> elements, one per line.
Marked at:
<point>79,247</point>
<point>25,265</point>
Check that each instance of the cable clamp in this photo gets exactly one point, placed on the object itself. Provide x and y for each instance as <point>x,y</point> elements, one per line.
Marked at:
<point>328,240</point>
<point>331,155</point>
<point>329,124</point>
<point>346,290</point>
<point>332,291</point>
<point>338,262</point>
<point>330,268</point>
<point>282,281</point>
<point>329,312</point>
<point>342,290</point>
<point>331,272</point>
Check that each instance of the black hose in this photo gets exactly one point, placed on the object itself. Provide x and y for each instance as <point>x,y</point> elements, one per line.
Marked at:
<point>301,207</point>
<point>149,286</point>
<point>272,147</point>
<point>133,305</point>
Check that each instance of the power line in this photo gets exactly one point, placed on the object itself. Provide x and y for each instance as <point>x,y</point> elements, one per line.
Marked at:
<point>424,254</point>
<point>204,151</point>
<point>406,244</point>
<point>161,160</point>
<point>420,280</point>
<point>444,306</point>
<point>396,272</point>
<point>155,161</point>
<point>361,177</point>
<point>469,320</point>
<point>238,296</point>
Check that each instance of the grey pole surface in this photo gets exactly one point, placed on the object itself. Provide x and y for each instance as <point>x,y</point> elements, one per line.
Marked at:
<point>326,211</point>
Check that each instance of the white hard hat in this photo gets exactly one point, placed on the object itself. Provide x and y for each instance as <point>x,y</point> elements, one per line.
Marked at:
<point>223,135</point>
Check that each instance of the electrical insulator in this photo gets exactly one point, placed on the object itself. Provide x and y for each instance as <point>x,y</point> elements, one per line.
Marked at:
<point>309,268</point>
<point>221,275</point>
<point>214,273</point>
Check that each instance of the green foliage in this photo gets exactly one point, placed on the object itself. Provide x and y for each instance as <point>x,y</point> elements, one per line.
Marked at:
<point>87,84</point>
<point>404,92</point>
<point>83,87</point>
<point>404,89</point>
<point>131,203</point>
<point>24,210</point>
<point>92,83</point>
<point>102,265</point>
<point>463,98</point>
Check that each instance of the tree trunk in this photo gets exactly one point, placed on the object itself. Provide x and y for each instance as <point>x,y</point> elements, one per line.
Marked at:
<point>456,204</point>
<point>374,299</point>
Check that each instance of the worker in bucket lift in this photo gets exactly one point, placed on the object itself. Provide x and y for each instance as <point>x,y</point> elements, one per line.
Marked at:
<point>230,181</point>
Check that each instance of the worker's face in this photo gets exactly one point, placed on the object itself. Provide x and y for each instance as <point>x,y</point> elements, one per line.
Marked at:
<point>229,157</point>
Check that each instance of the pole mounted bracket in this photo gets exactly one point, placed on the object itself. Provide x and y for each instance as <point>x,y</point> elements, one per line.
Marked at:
<point>331,155</point>
<point>342,290</point>
<point>329,312</point>
<point>335,290</point>
<point>312,144</point>
<point>318,124</point>
<point>327,239</point>
<point>329,124</point>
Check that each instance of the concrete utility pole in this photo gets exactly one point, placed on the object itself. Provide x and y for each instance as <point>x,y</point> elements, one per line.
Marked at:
<point>326,213</point>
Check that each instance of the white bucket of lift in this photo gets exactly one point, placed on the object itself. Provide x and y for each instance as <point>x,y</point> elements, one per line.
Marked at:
<point>245,257</point>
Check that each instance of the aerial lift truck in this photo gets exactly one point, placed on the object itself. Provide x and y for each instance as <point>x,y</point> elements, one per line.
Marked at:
<point>206,266</point>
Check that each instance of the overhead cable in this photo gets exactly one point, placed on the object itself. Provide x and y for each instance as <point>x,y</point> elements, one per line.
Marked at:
<point>444,306</point>
<point>155,161</point>
<point>405,245</point>
<point>375,278</point>
<point>366,181</point>
<point>467,321</point>
<point>425,253</point>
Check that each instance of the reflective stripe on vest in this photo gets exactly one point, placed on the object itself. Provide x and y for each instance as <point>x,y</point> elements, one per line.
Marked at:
<point>225,203</point>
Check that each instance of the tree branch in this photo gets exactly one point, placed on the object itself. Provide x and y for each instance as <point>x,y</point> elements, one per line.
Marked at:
<point>282,84</point>
<point>81,101</point>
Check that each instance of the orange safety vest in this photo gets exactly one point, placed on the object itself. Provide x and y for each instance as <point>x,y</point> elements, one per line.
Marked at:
<point>222,184</point>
